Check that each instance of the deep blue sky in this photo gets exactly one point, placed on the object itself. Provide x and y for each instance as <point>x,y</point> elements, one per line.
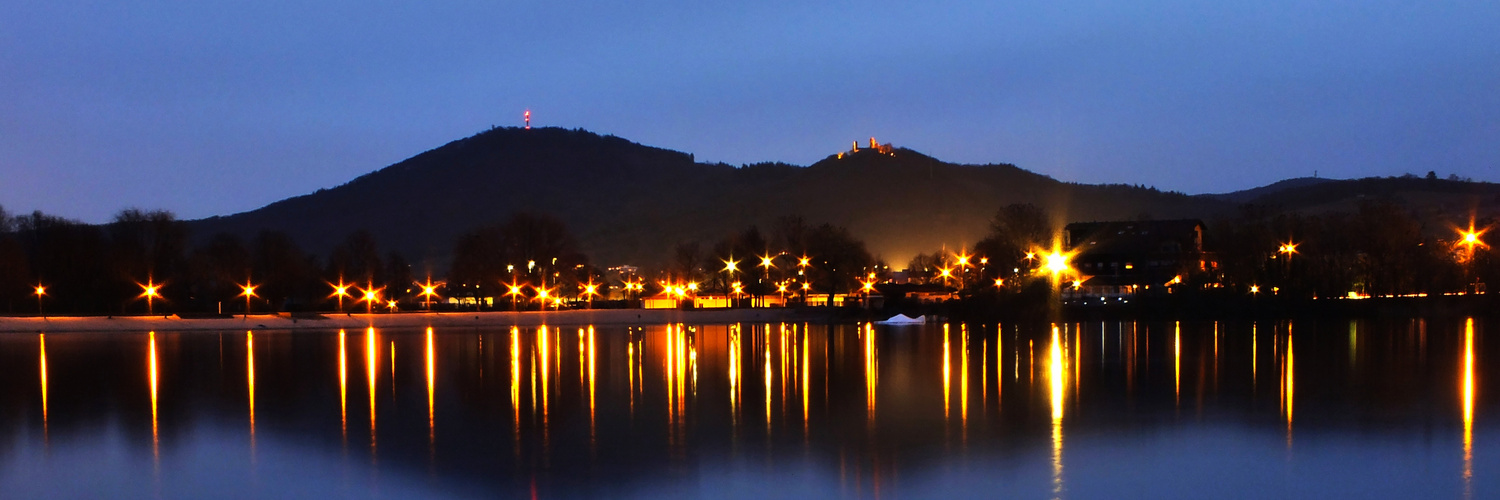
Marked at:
<point>209,108</point>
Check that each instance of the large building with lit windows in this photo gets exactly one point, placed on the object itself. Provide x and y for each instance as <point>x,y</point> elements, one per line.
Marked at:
<point>1117,260</point>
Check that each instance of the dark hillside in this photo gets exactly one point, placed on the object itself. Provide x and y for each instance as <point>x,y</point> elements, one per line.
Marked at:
<point>630,203</point>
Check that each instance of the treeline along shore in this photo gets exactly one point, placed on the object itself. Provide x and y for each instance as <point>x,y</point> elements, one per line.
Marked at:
<point>1031,261</point>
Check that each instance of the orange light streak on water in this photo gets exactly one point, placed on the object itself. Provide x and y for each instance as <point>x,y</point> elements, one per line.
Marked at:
<point>544,354</point>
<point>768,382</point>
<point>781,334</point>
<point>42,343</point>
<point>734,376</point>
<point>1290,388</point>
<point>1254,356</point>
<point>370,369</point>
<point>250,382</point>
<point>630,353</point>
<point>963,381</point>
<point>151,358</point>
<point>592,435</point>
<point>806,388</point>
<point>1058,386</point>
<point>947,373</point>
<point>515,384</point>
<point>1468,408</point>
<point>670,368</point>
<point>431,394</point>
<point>1177,363</point>
<point>872,374</point>
<point>343,388</point>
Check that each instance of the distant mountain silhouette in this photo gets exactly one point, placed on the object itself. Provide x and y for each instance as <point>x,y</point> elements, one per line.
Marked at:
<point>631,204</point>
<point>1437,203</point>
<point>1249,195</point>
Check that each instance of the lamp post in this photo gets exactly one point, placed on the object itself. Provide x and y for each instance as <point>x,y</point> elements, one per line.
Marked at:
<point>515,291</point>
<point>1287,249</point>
<point>247,290</point>
<point>542,294</point>
<point>869,286</point>
<point>1470,240</point>
<point>963,264</point>
<point>340,291</point>
<point>150,291</point>
<point>766,262</point>
<point>428,291</point>
<point>731,266</point>
<point>589,291</point>
<point>370,297</point>
<point>40,291</point>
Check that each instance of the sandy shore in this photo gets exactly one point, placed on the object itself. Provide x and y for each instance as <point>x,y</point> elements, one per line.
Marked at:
<point>402,320</point>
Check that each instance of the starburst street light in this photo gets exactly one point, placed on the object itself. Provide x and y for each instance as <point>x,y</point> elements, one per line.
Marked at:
<point>515,291</point>
<point>1471,238</point>
<point>247,291</point>
<point>589,291</point>
<point>39,291</point>
<point>1056,263</point>
<point>543,295</point>
<point>429,290</point>
<point>963,264</point>
<point>340,291</point>
<point>370,295</point>
<point>151,290</point>
<point>1288,249</point>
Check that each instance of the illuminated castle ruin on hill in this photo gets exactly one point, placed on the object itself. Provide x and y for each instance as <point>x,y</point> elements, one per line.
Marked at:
<point>875,146</point>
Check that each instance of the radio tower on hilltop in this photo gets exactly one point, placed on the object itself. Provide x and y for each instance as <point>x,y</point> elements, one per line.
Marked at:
<point>527,116</point>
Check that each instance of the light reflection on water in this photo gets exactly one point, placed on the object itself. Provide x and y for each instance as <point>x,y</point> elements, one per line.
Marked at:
<point>857,410</point>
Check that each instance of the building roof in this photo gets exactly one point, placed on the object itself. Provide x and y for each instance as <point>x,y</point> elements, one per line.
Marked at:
<point>1135,237</point>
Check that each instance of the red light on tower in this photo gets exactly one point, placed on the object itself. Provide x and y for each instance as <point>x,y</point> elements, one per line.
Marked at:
<point>527,117</point>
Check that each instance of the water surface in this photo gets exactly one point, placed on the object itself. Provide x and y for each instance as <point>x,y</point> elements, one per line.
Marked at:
<point>1119,409</point>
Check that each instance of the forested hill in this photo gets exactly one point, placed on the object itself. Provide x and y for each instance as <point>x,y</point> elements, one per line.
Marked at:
<point>629,203</point>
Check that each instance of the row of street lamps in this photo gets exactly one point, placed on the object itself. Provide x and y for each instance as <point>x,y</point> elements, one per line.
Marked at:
<point>1056,263</point>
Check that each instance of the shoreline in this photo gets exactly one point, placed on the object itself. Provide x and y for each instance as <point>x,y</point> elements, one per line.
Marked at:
<point>486,319</point>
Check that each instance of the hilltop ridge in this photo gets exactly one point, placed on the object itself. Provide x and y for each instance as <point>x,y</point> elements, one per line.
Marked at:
<point>632,203</point>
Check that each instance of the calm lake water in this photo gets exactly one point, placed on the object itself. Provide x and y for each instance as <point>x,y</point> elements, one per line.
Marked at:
<point>1328,408</point>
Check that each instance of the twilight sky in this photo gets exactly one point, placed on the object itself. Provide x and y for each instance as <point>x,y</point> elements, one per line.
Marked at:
<point>208,108</point>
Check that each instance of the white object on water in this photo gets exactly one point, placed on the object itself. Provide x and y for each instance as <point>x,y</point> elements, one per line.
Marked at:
<point>902,319</point>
